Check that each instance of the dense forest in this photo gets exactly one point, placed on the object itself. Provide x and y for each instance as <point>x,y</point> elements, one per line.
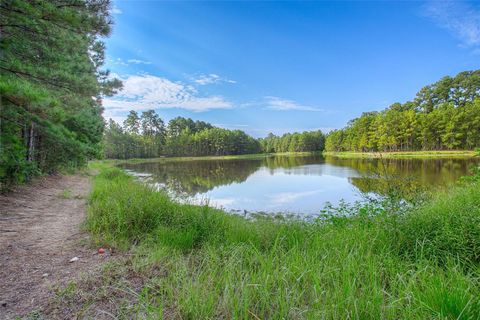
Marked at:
<point>443,116</point>
<point>294,142</point>
<point>51,85</point>
<point>147,136</point>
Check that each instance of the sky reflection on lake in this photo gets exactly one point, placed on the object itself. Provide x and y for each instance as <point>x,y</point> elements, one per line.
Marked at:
<point>295,184</point>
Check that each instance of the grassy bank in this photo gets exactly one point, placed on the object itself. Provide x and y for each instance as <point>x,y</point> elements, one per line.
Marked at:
<point>201,263</point>
<point>405,154</point>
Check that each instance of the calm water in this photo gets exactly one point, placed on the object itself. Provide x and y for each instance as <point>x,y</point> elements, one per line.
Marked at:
<point>296,184</point>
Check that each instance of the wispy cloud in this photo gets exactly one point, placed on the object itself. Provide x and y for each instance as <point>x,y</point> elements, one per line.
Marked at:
<point>211,78</point>
<point>142,92</point>
<point>460,18</point>
<point>116,10</point>
<point>116,115</point>
<point>137,61</point>
<point>279,104</point>
<point>120,61</point>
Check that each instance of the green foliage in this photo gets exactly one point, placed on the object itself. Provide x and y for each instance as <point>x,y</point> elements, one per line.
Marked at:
<point>443,116</point>
<point>140,137</point>
<point>210,141</point>
<point>363,262</point>
<point>147,137</point>
<point>294,142</point>
<point>51,85</point>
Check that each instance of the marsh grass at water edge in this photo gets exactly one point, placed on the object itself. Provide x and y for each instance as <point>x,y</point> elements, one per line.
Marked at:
<point>202,263</point>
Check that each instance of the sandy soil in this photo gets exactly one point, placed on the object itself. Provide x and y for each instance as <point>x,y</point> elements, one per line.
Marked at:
<point>40,232</point>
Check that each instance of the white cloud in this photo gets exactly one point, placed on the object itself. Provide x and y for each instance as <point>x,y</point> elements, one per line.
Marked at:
<point>211,78</point>
<point>120,61</point>
<point>279,104</point>
<point>116,10</point>
<point>460,18</point>
<point>116,116</point>
<point>142,92</point>
<point>137,61</point>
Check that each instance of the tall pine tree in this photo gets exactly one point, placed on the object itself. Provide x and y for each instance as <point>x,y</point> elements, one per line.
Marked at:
<point>51,84</point>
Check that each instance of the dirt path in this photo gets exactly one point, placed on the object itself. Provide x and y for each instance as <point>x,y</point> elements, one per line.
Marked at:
<point>39,234</point>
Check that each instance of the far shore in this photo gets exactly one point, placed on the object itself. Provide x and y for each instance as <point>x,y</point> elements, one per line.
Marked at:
<point>391,155</point>
<point>406,154</point>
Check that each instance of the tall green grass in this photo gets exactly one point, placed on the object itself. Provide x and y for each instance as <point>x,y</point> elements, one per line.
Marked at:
<point>202,263</point>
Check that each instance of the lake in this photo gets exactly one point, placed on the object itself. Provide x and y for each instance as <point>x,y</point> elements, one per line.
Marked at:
<point>296,184</point>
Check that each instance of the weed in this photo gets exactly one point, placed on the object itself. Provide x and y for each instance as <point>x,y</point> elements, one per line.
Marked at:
<point>66,291</point>
<point>34,315</point>
<point>66,194</point>
<point>362,262</point>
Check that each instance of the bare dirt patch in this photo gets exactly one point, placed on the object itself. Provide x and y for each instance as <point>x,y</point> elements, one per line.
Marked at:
<point>40,232</point>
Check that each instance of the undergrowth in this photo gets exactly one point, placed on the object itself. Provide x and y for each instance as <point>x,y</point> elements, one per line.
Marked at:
<point>202,263</point>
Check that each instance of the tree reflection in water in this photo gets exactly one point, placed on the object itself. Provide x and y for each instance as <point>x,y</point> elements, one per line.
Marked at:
<point>406,177</point>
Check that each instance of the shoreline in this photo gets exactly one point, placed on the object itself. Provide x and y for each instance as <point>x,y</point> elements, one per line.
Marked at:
<point>202,158</point>
<point>345,154</point>
<point>404,154</point>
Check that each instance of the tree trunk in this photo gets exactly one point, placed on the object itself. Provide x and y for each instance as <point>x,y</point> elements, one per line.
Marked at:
<point>31,143</point>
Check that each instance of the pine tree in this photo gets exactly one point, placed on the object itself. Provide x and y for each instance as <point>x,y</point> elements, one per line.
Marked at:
<point>51,84</point>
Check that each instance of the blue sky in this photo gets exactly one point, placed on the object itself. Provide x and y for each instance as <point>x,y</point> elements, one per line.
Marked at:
<point>283,66</point>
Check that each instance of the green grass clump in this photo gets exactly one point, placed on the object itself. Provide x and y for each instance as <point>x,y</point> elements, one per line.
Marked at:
<point>448,227</point>
<point>203,263</point>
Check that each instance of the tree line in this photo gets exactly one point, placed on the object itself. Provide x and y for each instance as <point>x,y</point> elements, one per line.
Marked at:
<point>443,116</point>
<point>294,142</point>
<point>147,136</point>
<point>51,85</point>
